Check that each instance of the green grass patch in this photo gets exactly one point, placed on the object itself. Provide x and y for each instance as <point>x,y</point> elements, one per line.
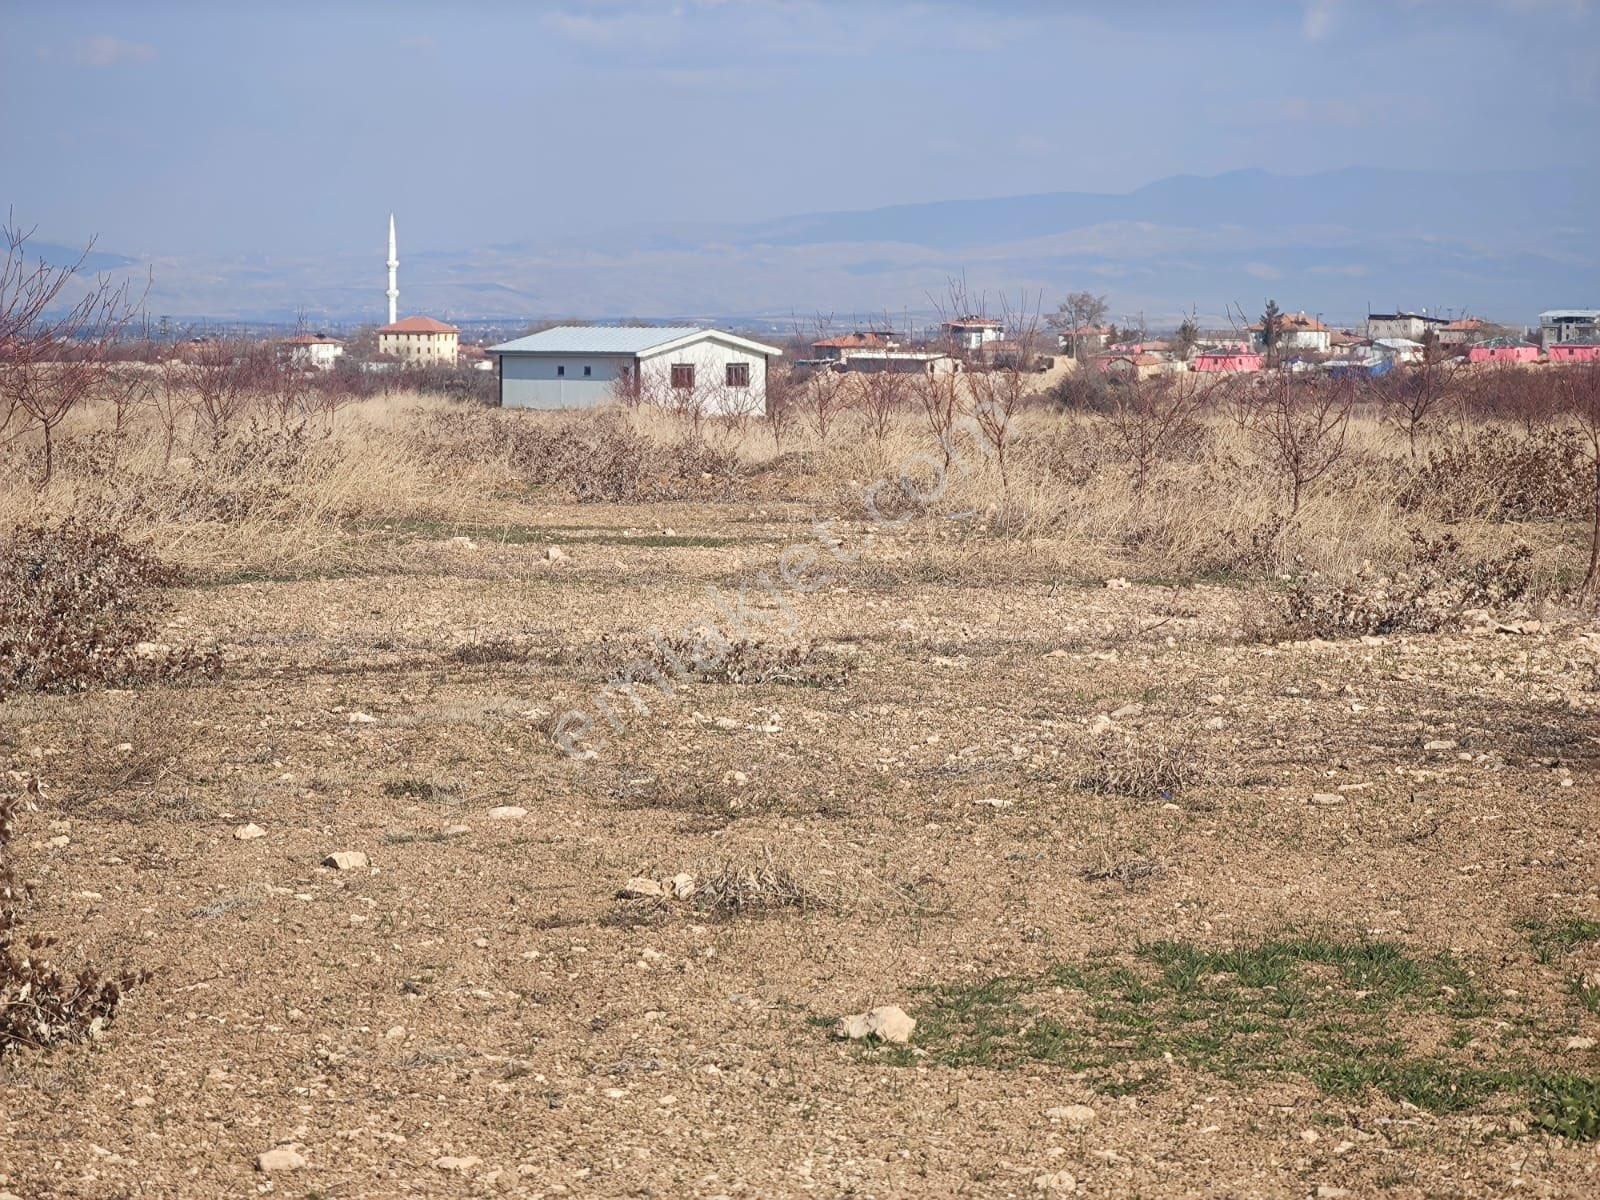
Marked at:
<point>1557,939</point>
<point>1353,1016</point>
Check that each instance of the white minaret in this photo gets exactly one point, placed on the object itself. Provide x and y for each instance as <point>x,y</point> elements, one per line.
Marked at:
<point>394,265</point>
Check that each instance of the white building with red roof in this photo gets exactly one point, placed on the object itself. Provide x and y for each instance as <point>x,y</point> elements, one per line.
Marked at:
<point>420,342</point>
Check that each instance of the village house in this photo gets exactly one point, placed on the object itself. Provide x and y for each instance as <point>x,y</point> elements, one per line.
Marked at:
<point>1409,325</point>
<point>902,362</point>
<point>584,366</point>
<point>1465,332</point>
<point>420,342</point>
<point>1504,351</point>
<point>1226,360</point>
<point>1569,325</point>
<point>1295,332</point>
<point>1087,339</point>
<point>973,333</point>
<point>1399,351</point>
<point>1574,352</point>
<point>1135,365</point>
<point>313,351</point>
<point>843,347</point>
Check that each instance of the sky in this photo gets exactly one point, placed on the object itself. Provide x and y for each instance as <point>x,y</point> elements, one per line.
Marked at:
<point>169,128</point>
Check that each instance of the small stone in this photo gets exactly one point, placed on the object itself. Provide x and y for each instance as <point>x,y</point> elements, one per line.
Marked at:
<point>1324,799</point>
<point>361,718</point>
<point>347,860</point>
<point>143,1101</point>
<point>1326,1191</point>
<point>640,888</point>
<point>886,1023</point>
<point>669,531</point>
<point>280,1158</point>
<point>151,649</point>
<point>1439,744</point>
<point>395,1033</point>
<point>1060,1181</point>
<point>451,1162</point>
<point>60,842</point>
<point>464,542</point>
<point>1117,583</point>
<point>1581,1043</point>
<point>507,812</point>
<point>1074,1114</point>
<point>455,831</point>
<point>555,554</point>
<point>681,886</point>
<point>249,833</point>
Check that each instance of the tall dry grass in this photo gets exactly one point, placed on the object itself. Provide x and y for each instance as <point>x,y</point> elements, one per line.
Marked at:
<point>331,493</point>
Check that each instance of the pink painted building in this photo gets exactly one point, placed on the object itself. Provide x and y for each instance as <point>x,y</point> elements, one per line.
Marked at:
<point>1573,352</point>
<point>1227,359</point>
<point>1503,350</point>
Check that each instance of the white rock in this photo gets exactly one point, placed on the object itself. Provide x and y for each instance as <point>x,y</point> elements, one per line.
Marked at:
<point>1117,583</point>
<point>1439,744</point>
<point>1581,1043</point>
<point>507,812</point>
<point>395,1033</point>
<point>640,888</point>
<point>361,718</point>
<point>451,1162</point>
<point>248,833</point>
<point>347,860</point>
<point>1324,799</point>
<point>1075,1114</point>
<point>555,554</point>
<point>280,1158</point>
<point>455,831</point>
<point>151,649</point>
<point>681,886</point>
<point>887,1023</point>
<point>464,542</point>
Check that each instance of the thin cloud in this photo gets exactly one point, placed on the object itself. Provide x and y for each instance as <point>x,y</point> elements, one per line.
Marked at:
<point>1318,20</point>
<point>103,50</point>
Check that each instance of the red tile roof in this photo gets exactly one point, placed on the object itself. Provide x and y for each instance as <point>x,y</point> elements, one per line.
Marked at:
<point>419,325</point>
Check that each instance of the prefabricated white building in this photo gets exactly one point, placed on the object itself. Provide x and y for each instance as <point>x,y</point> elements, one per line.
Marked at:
<point>580,366</point>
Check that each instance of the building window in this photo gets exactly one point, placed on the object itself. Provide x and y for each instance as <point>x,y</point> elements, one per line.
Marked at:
<point>683,375</point>
<point>588,371</point>
<point>560,371</point>
<point>738,374</point>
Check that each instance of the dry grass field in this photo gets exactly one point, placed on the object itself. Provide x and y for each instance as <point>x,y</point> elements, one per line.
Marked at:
<point>1213,850</point>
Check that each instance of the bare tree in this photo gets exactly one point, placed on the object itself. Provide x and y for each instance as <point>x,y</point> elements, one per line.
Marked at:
<point>941,394</point>
<point>217,378</point>
<point>1080,310</point>
<point>783,395</point>
<point>1580,392</point>
<point>1301,427</point>
<point>1410,400</point>
<point>1004,382</point>
<point>880,394</point>
<point>54,354</point>
<point>1150,416</point>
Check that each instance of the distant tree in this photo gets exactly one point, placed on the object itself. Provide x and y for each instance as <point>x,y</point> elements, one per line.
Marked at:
<point>1187,337</point>
<point>1078,311</point>
<point>1150,416</point>
<point>1271,326</point>
<point>1301,427</point>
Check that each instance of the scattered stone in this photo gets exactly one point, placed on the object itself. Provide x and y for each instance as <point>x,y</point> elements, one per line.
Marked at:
<point>347,860</point>
<point>1581,1043</point>
<point>249,833</point>
<point>1060,1181</point>
<point>452,1163</point>
<point>1439,744</point>
<point>640,888</point>
<point>1074,1114</point>
<point>886,1023</point>
<point>280,1158</point>
<point>507,812</point>
<point>1324,799</point>
<point>361,718</point>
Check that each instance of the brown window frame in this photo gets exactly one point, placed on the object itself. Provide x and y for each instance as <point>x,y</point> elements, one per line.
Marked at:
<point>682,376</point>
<point>737,374</point>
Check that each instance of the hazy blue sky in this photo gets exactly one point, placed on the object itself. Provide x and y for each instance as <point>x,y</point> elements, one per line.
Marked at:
<point>285,128</point>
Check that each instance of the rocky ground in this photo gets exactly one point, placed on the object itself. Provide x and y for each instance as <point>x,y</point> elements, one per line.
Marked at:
<point>1178,908</point>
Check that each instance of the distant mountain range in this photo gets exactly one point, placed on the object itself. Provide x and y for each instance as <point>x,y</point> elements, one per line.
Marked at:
<point>1502,244</point>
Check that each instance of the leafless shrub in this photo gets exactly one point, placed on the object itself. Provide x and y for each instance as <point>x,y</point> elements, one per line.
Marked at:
<point>1429,593</point>
<point>1300,427</point>
<point>77,606</point>
<point>40,1005</point>
<point>1142,765</point>
<point>1150,418</point>
<point>712,659</point>
<point>734,886</point>
<point>1501,475</point>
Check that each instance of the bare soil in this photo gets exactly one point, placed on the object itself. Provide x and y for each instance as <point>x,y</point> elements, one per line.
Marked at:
<point>478,1013</point>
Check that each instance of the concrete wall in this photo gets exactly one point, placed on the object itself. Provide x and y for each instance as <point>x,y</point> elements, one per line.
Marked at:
<point>558,381</point>
<point>420,349</point>
<point>710,358</point>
